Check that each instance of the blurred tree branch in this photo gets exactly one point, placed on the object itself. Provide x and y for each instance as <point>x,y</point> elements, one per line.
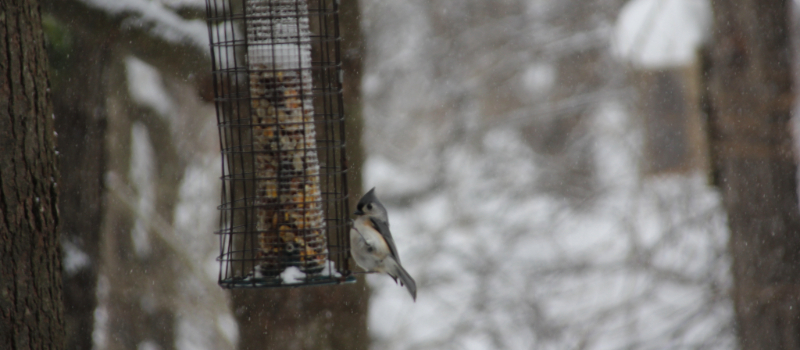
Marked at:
<point>86,82</point>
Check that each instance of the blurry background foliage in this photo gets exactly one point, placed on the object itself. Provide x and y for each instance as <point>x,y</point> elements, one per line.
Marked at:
<point>545,163</point>
<point>59,44</point>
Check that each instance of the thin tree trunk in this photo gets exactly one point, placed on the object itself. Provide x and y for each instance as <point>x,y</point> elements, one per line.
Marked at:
<point>750,87</point>
<point>140,282</point>
<point>31,311</point>
<point>79,103</point>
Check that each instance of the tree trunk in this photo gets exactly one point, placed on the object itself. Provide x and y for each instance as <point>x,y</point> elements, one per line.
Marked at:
<point>31,311</point>
<point>138,301</point>
<point>330,317</point>
<point>750,99</point>
<point>79,104</point>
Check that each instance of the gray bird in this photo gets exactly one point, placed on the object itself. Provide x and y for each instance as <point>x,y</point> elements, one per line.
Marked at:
<point>371,242</point>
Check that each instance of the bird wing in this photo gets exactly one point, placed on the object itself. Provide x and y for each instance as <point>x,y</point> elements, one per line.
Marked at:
<point>383,229</point>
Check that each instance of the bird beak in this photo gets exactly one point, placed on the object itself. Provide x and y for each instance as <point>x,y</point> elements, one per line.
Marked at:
<point>358,212</point>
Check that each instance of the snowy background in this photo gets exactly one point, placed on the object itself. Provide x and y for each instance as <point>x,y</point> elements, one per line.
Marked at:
<point>514,244</point>
<point>503,137</point>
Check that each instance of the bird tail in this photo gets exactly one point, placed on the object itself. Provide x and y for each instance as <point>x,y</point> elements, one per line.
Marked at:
<point>405,279</point>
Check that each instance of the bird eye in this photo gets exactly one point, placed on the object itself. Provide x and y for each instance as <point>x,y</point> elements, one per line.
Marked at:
<point>369,206</point>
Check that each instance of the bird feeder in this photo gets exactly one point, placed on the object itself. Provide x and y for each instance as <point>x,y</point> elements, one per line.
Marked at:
<point>277,88</point>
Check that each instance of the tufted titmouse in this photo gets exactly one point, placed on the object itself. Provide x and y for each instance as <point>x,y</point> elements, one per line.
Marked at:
<point>371,243</point>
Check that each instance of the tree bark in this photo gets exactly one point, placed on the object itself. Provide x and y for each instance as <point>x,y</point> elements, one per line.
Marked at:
<point>31,311</point>
<point>329,317</point>
<point>750,99</point>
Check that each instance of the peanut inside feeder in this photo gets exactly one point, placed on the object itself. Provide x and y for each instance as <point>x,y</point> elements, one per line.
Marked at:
<point>288,200</point>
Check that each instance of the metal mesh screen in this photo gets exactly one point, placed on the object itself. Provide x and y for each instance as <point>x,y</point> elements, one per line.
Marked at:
<point>279,108</point>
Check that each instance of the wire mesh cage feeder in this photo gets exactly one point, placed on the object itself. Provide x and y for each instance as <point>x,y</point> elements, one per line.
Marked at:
<point>277,86</point>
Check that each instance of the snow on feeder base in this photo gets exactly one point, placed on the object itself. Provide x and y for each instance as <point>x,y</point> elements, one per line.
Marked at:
<point>278,96</point>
